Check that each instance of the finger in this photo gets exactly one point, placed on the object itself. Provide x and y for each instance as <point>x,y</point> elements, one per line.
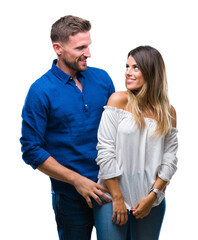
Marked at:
<point>113,216</point>
<point>97,199</point>
<point>126,217</point>
<point>89,202</point>
<point>137,216</point>
<point>100,187</point>
<point>122,219</point>
<point>135,210</point>
<point>135,213</point>
<point>101,194</point>
<point>140,216</point>
<point>118,219</point>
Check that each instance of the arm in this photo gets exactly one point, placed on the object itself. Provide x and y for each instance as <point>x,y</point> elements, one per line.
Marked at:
<point>35,114</point>
<point>166,171</point>
<point>119,208</point>
<point>109,169</point>
<point>86,187</point>
<point>169,160</point>
<point>145,205</point>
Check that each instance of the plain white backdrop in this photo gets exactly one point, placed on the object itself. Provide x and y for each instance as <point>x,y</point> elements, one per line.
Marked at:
<point>117,27</point>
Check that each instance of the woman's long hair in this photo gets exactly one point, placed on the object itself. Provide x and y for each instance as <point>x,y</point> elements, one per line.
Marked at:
<point>154,93</point>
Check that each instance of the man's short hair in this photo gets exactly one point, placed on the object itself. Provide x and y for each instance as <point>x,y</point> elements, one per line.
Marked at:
<point>68,25</point>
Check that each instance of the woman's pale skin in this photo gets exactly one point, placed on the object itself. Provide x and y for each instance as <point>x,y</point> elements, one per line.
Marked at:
<point>134,81</point>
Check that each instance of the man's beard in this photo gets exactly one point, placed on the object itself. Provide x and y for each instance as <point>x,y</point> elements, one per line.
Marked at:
<point>75,65</point>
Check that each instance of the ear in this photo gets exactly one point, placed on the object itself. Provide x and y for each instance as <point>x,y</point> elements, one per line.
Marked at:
<point>57,48</point>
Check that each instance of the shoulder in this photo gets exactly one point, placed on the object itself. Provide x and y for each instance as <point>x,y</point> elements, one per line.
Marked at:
<point>118,100</point>
<point>39,89</point>
<point>97,72</point>
<point>42,81</point>
<point>99,77</point>
<point>173,116</point>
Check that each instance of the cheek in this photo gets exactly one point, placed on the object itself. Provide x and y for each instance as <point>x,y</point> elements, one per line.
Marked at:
<point>141,79</point>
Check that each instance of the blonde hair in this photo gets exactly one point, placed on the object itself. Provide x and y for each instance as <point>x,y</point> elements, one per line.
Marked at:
<point>154,92</point>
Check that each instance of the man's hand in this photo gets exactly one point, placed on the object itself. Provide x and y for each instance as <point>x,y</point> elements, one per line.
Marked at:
<point>83,185</point>
<point>89,189</point>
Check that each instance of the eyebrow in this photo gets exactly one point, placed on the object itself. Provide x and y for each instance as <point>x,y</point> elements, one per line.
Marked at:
<point>134,65</point>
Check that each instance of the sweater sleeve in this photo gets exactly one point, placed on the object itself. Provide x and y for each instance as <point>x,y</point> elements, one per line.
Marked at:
<point>106,146</point>
<point>169,160</point>
<point>34,122</point>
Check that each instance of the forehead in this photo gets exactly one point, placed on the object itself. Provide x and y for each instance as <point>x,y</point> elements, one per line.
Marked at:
<point>79,39</point>
<point>131,60</point>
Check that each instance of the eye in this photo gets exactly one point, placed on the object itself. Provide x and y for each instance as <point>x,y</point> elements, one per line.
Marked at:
<point>80,48</point>
<point>127,66</point>
<point>136,67</point>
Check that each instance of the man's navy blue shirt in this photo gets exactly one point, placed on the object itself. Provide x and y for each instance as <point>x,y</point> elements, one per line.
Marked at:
<point>61,121</point>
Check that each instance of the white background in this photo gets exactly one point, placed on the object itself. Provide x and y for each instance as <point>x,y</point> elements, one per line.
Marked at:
<point>117,27</point>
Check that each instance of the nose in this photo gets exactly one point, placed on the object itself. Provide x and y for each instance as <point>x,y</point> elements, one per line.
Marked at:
<point>129,71</point>
<point>87,53</point>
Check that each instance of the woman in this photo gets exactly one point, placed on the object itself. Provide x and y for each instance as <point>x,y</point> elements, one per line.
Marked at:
<point>137,145</point>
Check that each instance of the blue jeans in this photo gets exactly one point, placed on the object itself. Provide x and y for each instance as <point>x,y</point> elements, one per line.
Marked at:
<point>74,218</point>
<point>147,228</point>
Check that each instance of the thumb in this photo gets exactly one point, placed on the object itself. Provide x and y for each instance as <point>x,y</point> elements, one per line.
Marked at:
<point>135,209</point>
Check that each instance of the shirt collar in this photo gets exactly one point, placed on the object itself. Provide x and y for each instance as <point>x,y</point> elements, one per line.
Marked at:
<point>62,75</point>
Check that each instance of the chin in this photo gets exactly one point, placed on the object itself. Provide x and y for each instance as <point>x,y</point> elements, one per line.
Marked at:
<point>82,69</point>
<point>131,88</point>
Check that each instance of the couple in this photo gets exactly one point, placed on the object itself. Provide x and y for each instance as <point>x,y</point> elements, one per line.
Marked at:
<point>136,144</point>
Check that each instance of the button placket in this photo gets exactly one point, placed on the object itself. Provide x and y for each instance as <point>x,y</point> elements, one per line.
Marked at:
<point>85,105</point>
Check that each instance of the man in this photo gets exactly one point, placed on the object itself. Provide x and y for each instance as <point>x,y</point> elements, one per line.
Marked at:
<point>61,115</point>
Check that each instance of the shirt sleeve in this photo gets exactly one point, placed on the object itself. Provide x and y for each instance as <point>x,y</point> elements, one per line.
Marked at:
<point>106,146</point>
<point>34,122</point>
<point>111,88</point>
<point>169,161</point>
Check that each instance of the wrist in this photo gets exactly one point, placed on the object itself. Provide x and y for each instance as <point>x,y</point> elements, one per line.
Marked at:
<point>156,194</point>
<point>117,196</point>
<point>152,196</point>
<point>75,178</point>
